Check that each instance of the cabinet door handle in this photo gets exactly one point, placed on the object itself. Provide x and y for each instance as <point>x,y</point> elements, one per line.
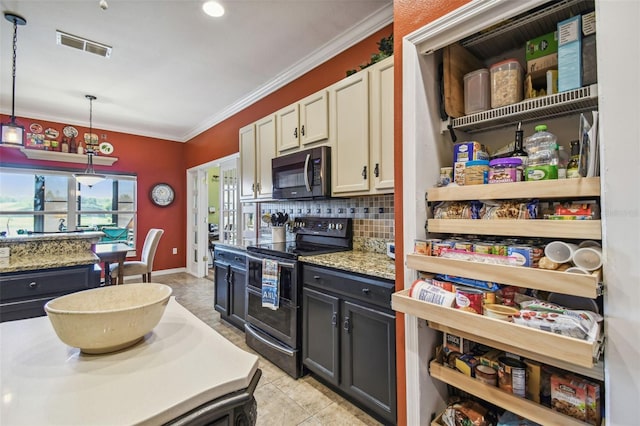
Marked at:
<point>295,133</point>
<point>237,258</point>
<point>347,324</point>
<point>364,172</point>
<point>334,319</point>
<point>316,277</point>
<point>366,291</point>
<point>33,284</point>
<point>376,170</point>
<point>231,277</point>
<point>302,130</point>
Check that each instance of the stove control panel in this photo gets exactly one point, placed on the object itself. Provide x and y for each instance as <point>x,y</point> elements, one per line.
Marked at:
<point>326,226</point>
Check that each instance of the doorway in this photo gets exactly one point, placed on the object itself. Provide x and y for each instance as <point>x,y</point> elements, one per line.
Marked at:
<point>214,218</point>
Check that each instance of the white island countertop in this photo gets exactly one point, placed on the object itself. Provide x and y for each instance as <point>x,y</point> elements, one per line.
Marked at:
<point>180,365</point>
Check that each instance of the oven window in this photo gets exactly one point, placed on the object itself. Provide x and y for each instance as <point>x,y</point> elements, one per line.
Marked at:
<point>280,322</point>
<point>287,279</point>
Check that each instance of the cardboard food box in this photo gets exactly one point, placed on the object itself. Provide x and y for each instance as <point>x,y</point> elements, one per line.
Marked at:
<point>569,54</point>
<point>544,45</point>
<point>576,397</point>
<point>534,374</point>
<point>491,358</point>
<point>468,151</point>
<point>455,343</point>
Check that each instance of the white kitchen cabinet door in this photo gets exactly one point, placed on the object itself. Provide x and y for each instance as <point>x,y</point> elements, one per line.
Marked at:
<point>314,118</point>
<point>265,152</point>
<point>248,162</point>
<point>381,118</point>
<point>288,133</point>
<point>349,130</point>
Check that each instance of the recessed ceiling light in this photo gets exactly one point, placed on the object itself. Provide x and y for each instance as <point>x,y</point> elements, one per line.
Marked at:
<point>213,8</point>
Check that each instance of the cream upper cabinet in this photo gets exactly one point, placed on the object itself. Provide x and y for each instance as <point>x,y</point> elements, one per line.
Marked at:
<point>381,120</point>
<point>349,132</point>
<point>303,123</point>
<point>265,152</point>
<point>248,162</point>
<point>257,148</point>
<point>361,130</point>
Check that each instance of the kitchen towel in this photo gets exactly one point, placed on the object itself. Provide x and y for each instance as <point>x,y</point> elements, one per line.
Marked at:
<point>270,284</point>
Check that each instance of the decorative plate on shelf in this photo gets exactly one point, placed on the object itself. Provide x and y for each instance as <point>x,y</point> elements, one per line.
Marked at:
<point>162,194</point>
<point>70,131</point>
<point>35,128</point>
<point>106,148</point>
<point>51,133</point>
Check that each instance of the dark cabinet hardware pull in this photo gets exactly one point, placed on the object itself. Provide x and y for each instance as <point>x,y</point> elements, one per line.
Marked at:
<point>237,258</point>
<point>302,130</point>
<point>316,277</point>
<point>364,172</point>
<point>33,284</point>
<point>295,133</point>
<point>334,319</point>
<point>366,290</point>
<point>376,170</point>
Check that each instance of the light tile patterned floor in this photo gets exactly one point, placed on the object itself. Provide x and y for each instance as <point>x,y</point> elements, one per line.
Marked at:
<point>282,401</point>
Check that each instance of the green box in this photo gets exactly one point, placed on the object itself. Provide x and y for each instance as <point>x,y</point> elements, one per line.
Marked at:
<point>541,46</point>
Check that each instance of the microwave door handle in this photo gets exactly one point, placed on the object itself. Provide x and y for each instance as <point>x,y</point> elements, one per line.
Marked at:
<point>306,172</point>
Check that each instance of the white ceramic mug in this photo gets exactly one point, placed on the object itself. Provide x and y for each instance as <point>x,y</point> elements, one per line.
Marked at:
<point>559,251</point>
<point>589,258</point>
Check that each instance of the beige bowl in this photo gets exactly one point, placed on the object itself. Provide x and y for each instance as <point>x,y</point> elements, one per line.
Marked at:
<point>110,318</point>
<point>500,312</point>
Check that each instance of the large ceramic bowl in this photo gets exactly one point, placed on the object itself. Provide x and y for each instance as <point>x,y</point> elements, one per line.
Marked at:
<point>110,318</point>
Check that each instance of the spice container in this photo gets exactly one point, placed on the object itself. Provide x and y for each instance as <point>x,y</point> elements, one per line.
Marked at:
<point>502,170</point>
<point>506,83</point>
<point>477,94</point>
<point>476,172</point>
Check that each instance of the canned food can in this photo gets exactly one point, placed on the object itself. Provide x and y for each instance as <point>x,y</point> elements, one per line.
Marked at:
<point>512,376</point>
<point>422,247</point>
<point>469,299</point>
<point>487,375</point>
<point>438,248</point>
<point>483,248</point>
<point>500,249</point>
<point>464,245</point>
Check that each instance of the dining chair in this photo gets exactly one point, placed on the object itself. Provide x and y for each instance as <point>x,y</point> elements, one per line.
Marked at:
<point>144,266</point>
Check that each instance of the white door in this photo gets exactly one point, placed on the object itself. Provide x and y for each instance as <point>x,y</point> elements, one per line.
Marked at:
<point>197,229</point>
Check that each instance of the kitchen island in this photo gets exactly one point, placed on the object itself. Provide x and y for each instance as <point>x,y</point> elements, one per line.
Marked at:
<point>182,372</point>
<point>35,268</point>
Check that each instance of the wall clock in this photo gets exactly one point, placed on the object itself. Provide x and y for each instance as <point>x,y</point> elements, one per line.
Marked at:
<point>162,194</point>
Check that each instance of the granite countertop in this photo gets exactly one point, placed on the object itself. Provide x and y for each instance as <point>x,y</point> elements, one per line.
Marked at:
<point>363,262</point>
<point>30,263</point>
<point>44,381</point>
<point>84,235</point>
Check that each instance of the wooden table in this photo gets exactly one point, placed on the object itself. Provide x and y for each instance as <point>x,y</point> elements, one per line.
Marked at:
<point>110,253</point>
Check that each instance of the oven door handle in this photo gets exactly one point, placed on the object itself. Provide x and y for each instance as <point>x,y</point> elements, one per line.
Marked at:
<point>256,334</point>
<point>306,172</point>
<point>285,264</point>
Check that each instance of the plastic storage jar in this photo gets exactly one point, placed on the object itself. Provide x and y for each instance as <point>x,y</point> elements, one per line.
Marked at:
<point>476,172</point>
<point>503,170</point>
<point>506,83</point>
<point>477,92</point>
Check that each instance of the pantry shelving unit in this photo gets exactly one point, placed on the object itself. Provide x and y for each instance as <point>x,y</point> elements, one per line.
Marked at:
<point>572,354</point>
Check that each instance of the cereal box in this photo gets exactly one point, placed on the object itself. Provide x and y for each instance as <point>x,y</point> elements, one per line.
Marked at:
<point>468,151</point>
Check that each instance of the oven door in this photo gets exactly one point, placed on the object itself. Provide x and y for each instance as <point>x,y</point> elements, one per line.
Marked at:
<point>284,322</point>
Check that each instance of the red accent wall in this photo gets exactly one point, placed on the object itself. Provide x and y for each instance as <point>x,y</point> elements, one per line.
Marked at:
<point>152,160</point>
<point>409,15</point>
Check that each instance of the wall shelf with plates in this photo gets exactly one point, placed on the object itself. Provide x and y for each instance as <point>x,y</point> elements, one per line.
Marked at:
<point>66,157</point>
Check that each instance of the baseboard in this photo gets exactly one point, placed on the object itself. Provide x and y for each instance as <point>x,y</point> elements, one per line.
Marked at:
<point>156,273</point>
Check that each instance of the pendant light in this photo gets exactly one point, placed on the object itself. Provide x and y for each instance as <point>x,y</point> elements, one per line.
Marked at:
<point>89,177</point>
<point>12,132</point>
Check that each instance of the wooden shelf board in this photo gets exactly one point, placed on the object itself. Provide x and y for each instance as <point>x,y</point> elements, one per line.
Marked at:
<point>564,188</point>
<point>505,335</point>
<point>574,229</point>
<point>66,157</point>
<point>521,406</point>
<point>541,279</point>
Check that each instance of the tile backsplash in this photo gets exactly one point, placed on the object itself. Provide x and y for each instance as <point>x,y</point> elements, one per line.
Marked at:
<point>372,215</point>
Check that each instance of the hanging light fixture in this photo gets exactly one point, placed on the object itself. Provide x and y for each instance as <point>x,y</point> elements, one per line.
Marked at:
<point>89,177</point>
<point>12,132</point>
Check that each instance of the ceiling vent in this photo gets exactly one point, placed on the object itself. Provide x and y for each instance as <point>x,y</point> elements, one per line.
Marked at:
<point>80,43</point>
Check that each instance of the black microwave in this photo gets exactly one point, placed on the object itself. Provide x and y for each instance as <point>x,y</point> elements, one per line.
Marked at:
<point>302,175</point>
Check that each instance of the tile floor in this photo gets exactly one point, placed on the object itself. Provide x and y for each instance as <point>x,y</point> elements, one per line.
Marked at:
<point>282,401</point>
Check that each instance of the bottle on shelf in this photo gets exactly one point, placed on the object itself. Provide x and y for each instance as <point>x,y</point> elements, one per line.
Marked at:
<point>72,145</point>
<point>64,147</point>
<point>518,151</point>
<point>542,162</point>
<point>573,167</point>
<point>80,148</point>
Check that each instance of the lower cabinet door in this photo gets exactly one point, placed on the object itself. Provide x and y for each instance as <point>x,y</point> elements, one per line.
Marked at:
<point>321,334</point>
<point>238,299</point>
<point>221,300</point>
<point>368,357</point>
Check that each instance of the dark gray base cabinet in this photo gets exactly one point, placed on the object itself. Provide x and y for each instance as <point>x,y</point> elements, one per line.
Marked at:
<point>230,272</point>
<point>24,294</point>
<point>351,345</point>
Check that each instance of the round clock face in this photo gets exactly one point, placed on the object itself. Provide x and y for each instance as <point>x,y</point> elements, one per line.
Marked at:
<point>162,194</point>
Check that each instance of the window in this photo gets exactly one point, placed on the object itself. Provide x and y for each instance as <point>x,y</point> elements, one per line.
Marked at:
<point>52,201</point>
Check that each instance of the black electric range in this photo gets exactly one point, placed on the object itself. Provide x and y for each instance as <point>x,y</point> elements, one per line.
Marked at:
<point>314,235</point>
